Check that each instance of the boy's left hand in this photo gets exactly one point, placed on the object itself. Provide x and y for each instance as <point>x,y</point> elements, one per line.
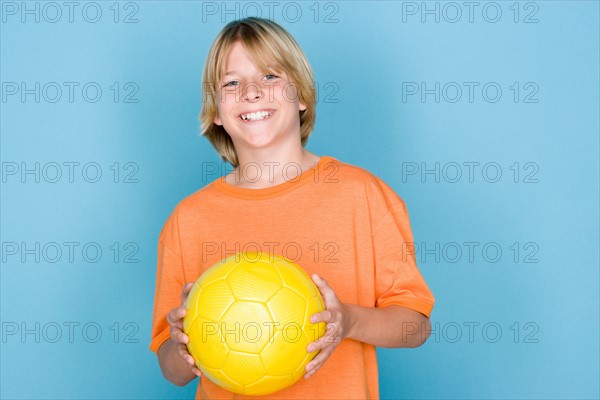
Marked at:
<point>337,317</point>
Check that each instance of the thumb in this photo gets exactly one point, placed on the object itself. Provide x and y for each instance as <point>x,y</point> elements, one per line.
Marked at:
<point>329,296</point>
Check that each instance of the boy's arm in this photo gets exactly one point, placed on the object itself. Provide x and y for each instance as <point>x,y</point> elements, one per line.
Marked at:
<point>392,326</point>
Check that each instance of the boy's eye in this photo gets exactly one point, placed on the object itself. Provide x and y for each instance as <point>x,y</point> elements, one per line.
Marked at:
<point>231,83</point>
<point>270,77</point>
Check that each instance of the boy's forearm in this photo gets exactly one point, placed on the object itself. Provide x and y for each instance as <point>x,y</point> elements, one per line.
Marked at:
<point>174,368</point>
<point>392,326</point>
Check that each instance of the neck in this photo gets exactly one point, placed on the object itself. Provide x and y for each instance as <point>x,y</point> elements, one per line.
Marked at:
<point>262,168</point>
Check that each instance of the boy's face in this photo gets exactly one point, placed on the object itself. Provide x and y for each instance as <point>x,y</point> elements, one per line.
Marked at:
<point>256,108</point>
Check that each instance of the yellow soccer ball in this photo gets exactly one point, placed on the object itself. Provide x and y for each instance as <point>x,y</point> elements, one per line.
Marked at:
<point>248,323</point>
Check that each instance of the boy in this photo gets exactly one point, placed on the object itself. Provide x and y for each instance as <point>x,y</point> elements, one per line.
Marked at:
<point>342,224</point>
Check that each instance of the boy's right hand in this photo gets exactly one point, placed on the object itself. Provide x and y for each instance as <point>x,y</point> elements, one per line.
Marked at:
<point>175,320</point>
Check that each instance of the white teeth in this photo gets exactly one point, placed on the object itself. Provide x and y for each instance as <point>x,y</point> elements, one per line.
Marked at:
<point>255,116</point>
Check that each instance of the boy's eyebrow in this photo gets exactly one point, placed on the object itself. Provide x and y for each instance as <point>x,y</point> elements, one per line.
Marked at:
<point>235,72</point>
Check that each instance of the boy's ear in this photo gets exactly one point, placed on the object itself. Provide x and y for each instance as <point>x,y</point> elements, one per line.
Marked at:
<point>217,120</point>
<point>301,106</point>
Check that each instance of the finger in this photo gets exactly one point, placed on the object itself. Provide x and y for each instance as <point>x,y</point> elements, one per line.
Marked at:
<point>320,282</point>
<point>183,353</point>
<point>196,372</point>
<point>178,336</point>
<point>187,288</point>
<point>331,335</point>
<point>180,312</point>
<point>330,338</point>
<point>316,364</point>
<point>175,317</point>
<point>172,316</point>
<point>312,371</point>
<point>174,331</point>
<point>319,359</point>
<point>177,326</point>
<point>316,346</point>
<point>183,338</point>
<point>322,316</point>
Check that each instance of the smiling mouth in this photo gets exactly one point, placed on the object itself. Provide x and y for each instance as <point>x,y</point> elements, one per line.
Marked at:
<point>256,116</point>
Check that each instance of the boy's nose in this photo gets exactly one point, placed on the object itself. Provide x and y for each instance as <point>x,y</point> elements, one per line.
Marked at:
<point>252,92</point>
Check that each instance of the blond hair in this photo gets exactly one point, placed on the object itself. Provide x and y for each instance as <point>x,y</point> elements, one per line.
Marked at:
<point>268,45</point>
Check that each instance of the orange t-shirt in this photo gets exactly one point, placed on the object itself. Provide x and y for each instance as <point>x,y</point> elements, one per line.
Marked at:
<point>337,220</point>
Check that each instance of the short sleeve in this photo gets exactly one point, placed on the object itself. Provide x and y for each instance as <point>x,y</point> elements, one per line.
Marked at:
<point>398,280</point>
<point>169,281</point>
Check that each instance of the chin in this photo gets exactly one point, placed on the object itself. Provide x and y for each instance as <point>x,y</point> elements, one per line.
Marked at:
<point>259,142</point>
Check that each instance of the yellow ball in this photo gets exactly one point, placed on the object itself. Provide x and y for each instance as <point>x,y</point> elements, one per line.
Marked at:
<point>248,323</point>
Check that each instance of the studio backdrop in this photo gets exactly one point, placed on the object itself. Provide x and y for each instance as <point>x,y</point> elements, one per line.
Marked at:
<point>482,116</point>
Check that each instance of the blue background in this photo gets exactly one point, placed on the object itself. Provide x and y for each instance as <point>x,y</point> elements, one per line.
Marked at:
<point>516,324</point>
